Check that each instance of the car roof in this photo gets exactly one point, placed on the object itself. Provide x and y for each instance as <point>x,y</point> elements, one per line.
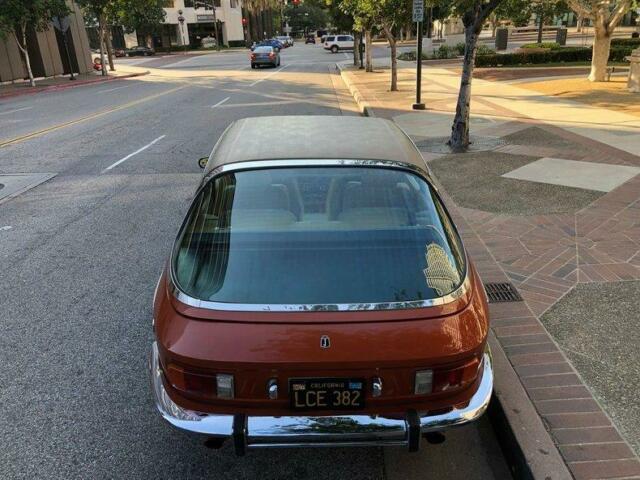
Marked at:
<point>300,137</point>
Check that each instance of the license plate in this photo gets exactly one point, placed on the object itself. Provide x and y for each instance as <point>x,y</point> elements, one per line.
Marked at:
<point>326,393</point>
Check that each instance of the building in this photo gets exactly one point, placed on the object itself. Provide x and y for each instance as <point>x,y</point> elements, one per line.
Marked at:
<point>198,22</point>
<point>46,51</point>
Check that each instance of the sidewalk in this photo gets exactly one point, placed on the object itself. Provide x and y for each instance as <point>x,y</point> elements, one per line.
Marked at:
<point>8,90</point>
<point>549,200</point>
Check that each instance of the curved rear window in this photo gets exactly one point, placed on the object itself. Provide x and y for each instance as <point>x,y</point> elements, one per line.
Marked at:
<point>321,235</point>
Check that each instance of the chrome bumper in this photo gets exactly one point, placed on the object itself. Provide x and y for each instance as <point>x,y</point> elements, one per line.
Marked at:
<point>339,430</point>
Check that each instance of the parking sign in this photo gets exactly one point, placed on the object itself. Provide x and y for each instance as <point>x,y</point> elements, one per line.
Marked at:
<point>418,10</point>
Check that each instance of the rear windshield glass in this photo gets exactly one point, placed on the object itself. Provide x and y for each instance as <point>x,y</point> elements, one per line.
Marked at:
<point>324,235</point>
<point>263,49</point>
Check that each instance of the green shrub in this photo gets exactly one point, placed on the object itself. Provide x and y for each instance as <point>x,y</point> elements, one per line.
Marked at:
<point>484,50</point>
<point>625,42</point>
<point>446,51</point>
<point>408,56</point>
<point>568,54</point>
<point>549,45</point>
<point>237,43</point>
<point>618,53</point>
<point>460,48</point>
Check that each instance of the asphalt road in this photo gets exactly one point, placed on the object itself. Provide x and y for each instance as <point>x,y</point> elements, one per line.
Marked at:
<point>80,256</point>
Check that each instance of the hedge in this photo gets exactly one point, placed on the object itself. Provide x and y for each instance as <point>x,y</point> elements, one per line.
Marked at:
<point>237,43</point>
<point>625,42</point>
<point>568,54</point>
<point>549,45</point>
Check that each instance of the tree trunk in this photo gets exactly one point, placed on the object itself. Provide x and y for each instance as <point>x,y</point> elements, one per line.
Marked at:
<point>356,43</point>
<point>579,22</point>
<point>540,24</point>
<point>601,47</point>
<point>110,50</point>
<point>494,24</point>
<point>394,57</point>
<point>368,50</point>
<point>459,140</point>
<point>22,45</point>
<point>103,66</point>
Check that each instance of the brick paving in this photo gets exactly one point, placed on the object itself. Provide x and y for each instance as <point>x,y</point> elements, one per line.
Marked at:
<point>545,256</point>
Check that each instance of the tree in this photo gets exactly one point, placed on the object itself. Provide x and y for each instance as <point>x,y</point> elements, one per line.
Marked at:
<point>98,9</point>
<point>392,15</point>
<point>142,16</point>
<point>364,13</point>
<point>605,16</point>
<point>474,13</point>
<point>17,16</point>
<point>306,17</point>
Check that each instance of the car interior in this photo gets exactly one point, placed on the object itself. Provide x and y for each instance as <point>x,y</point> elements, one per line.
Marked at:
<point>307,230</point>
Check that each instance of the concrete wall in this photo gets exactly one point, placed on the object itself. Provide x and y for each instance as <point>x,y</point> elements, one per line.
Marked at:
<point>11,62</point>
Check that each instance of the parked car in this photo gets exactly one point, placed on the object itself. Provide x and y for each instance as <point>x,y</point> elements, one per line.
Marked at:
<point>287,41</point>
<point>310,40</point>
<point>119,52</point>
<point>139,51</point>
<point>335,43</point>
<point>265,55</point>
<point>318,293</point>
<point>268,43</point>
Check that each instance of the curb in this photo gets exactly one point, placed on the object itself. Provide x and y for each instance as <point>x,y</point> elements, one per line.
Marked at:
<point>526,443</point>
<point>363,105</point>
<point>80,83</point>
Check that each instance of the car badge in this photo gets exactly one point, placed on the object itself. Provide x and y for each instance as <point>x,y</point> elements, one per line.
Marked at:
<point>325,341</point>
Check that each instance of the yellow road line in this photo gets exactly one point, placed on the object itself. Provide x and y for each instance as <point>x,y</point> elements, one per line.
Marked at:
<point>22,138</point>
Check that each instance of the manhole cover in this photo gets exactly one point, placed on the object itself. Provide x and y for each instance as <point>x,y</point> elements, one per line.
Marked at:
<point>502,292</point>
<point>478,144</point>
<point>14,184</point>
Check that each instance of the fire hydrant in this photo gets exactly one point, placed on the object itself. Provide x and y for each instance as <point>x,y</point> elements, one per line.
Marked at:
<point>633,83</point>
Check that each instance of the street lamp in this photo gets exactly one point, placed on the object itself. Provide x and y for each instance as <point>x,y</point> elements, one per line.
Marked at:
<point>210,6</point>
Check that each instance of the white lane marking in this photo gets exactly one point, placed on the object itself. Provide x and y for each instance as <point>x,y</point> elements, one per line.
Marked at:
<point>16,110</point>
<point>132,154</point>
<point>6,227</point>
<point>113,89</point>
<point>269,76</point>
<point>220,102</point>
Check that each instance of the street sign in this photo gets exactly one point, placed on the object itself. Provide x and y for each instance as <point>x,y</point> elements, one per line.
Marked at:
<point>61,24</point>
<point>206,18</point>
<point>418,10</point>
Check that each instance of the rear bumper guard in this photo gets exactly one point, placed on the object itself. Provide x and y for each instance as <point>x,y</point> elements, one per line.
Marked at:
<point>333,431</point>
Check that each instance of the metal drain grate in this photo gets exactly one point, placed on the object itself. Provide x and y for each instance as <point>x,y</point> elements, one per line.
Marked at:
<point>502,292</point>
<point>478,144</point>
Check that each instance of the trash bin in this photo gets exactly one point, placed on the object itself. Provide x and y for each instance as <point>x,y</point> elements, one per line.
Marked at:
<point>502,38</point>
<point>561,36</point>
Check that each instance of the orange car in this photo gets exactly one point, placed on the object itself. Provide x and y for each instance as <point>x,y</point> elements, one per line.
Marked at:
<point>318,294</point>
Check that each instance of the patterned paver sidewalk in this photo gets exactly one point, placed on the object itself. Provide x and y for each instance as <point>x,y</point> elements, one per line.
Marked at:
<point>544,246</point>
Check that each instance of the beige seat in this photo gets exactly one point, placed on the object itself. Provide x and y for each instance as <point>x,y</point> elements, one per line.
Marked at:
<point>373,205</point>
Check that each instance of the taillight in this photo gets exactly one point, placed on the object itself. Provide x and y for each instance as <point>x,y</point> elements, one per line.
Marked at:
<point>442,380</point>
<point>272,55</point>
<point>219,385</point>
<point>191,382</point>
<point>253,56</point>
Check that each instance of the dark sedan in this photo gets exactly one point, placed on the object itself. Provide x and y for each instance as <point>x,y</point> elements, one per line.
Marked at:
<point>265,55</point>
<point>276,44</point>
<point>139,52</point>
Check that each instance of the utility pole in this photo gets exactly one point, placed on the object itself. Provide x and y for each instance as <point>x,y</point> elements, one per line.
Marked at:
<point>418,17</point>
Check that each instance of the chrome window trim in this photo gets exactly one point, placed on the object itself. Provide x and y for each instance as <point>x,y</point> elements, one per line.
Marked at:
<point>186,299</point>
